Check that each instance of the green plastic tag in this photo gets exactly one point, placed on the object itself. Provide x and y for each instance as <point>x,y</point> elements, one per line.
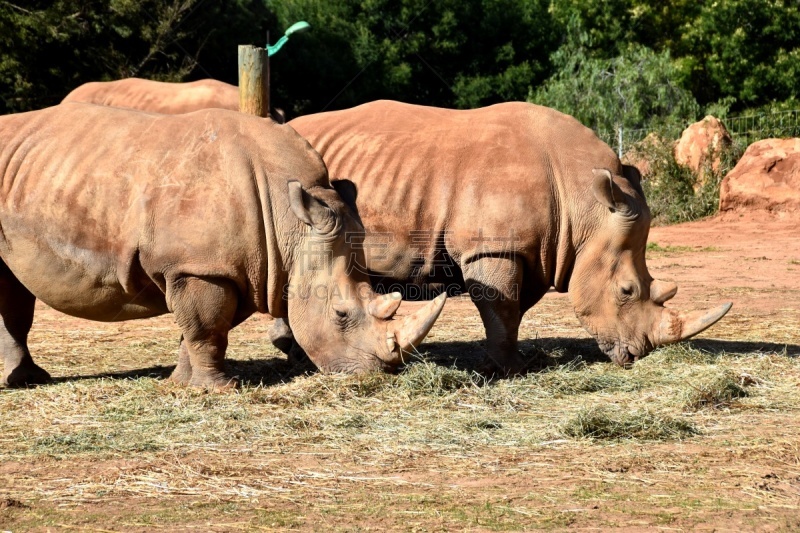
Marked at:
<point>294,28</point>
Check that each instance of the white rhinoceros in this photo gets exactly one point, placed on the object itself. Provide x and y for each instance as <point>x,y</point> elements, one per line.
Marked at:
<point>504,203</point>
<point>111,214</point>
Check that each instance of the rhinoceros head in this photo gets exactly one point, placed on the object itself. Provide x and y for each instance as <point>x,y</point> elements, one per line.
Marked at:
<point>334,314</point>
<point>615,297</point>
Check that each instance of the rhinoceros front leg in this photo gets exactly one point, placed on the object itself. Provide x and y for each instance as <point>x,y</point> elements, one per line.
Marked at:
<point>205,309</point>
<point>16,310</point>
<point>183,370</point>
<point>494,284</point>
<point>182,373</point>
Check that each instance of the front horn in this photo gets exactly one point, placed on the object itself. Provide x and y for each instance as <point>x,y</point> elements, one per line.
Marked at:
<point>676,327</point>
<point>406,334</point>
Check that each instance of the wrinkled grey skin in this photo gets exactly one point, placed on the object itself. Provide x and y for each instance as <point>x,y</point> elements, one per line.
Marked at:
<point>110,214</point>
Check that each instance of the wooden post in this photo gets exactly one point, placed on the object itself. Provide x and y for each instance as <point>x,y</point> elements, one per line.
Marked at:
<point>253,80</point>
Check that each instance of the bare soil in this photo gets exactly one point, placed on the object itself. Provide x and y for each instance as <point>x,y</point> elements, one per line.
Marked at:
<point>741,473</point>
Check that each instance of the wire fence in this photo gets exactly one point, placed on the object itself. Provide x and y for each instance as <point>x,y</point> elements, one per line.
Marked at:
<point>753,128</point>
<point>744,129</point>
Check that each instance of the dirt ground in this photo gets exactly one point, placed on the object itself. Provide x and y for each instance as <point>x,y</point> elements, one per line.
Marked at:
<point>742,473</point>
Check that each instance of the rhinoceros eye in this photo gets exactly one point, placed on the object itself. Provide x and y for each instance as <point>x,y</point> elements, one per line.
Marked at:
<point>341,314</point>
<point>627,290</point>
<point>346,313</point>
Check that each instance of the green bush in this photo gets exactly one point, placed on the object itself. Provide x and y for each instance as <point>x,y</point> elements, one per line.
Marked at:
<point>638,89</point>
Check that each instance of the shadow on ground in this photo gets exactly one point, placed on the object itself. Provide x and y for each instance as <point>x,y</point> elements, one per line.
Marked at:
<point>468,356</point>
<point>552,351</point>
<point>718,347</point>
<point>266,372</point>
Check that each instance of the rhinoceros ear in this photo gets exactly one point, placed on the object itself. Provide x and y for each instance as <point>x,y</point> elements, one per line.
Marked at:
<point>310,210</point>
<point>607,192</point>
<point>633,175</point>
<point>347,191</point>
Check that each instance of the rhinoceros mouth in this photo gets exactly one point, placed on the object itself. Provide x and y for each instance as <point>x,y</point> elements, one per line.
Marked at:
<point>622,353</point>
<point>359,361</point>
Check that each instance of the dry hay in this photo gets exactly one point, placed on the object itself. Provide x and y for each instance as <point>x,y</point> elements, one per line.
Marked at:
<point>435,446</point>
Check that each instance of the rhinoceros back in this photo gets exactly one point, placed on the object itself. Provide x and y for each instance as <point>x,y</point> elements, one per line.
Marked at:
<point>107,202</point>
<point>483,181</point>
<point>158,96</point>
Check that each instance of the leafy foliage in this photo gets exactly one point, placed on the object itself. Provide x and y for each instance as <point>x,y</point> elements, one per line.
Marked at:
<point>49,48</point>
<point>745,49</point>
<point>637,89</point>
<point>639,58</point>
<point>674,192</point>
<point>612,24</point>
<point>447,53</point>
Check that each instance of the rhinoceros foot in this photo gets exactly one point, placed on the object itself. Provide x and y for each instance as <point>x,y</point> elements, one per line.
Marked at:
<point>25,375</point>
<point>283,339</point>
<point>298,359</point>
<point>202,377</point>
<point>284,344</point>
<point>213,381</point>
<point>506,364</point>
<point>217,383</point>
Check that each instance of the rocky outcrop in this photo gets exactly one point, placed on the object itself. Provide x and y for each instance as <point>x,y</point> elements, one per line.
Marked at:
<point>767,177</point>
<point>645,154</point>
<point>700,147</point>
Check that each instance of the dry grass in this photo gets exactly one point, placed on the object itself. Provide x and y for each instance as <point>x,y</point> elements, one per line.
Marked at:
<point>615,424</point>
<point>435,446</point>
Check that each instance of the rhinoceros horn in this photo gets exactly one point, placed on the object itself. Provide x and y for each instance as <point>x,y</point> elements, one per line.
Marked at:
<point>407,333</point>
<point>385,305</point>
<point>661,291</point>
<point>675,327</point>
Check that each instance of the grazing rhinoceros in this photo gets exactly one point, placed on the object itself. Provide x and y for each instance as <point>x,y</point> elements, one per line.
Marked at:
<point>503,202</point>
<point>111,214</point>
<point>158,96</point>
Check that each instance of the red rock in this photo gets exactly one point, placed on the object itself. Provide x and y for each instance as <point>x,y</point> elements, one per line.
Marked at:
<point>700,142</point>
<point>643,154</point>
<point>766,177</point>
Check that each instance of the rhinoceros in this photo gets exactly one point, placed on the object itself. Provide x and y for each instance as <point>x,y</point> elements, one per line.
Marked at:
<point>504,203</point>
<point>110,214</point>
<point>158,96</point>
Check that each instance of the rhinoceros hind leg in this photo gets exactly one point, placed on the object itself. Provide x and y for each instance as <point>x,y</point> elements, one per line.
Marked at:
<point>494,284</point>
<point>205,309</point>
<point>16,310</point>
